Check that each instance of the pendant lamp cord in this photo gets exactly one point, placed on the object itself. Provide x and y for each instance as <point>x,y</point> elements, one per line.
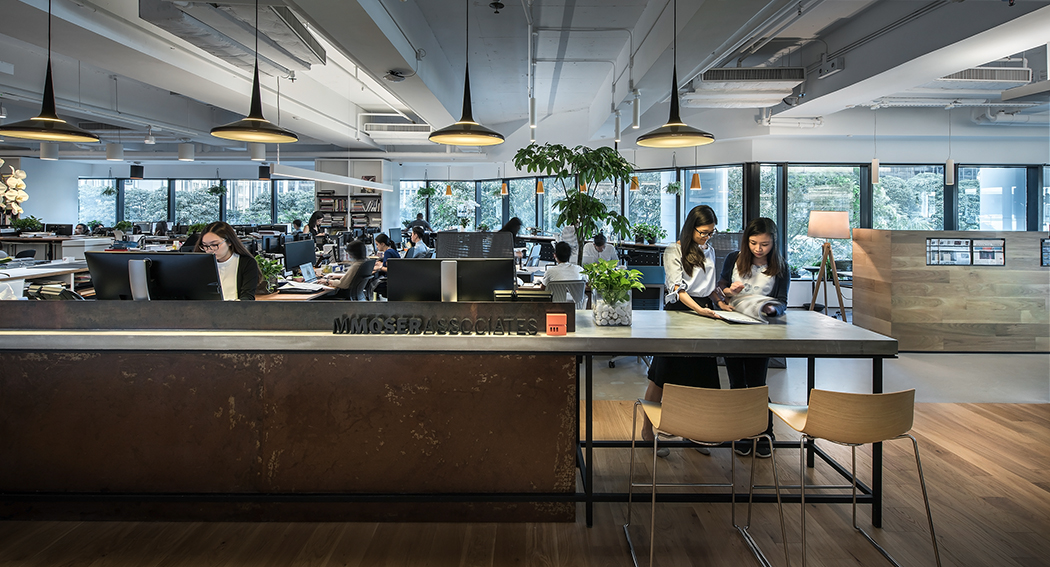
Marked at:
<point>875,133</point>
<point>49,30</point>
<point>949,133</point>
<point>256,33</point>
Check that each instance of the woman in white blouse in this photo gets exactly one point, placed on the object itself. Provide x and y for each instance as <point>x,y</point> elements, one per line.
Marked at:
<point>690,275</point>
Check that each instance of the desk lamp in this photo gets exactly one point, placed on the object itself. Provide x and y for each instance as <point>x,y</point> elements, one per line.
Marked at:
<point>828,225</point>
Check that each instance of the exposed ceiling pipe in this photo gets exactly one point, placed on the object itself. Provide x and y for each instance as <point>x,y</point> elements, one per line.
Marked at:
<point>612,99</point>
<point>778,27</point>
<point>1003,118</point>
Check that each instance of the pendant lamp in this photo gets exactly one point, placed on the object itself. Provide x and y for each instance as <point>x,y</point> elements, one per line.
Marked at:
<point>675,134</point>
<point>448,183</point>
<point>949,164</point>
<point>694,185</point>
<point>466,132</point>
<point>634,183</point>
<point>255,128</point>
<point>49,151</point>
<point>875,149</point>
<point>47,126</point>
<point>539,187</point>
<point>583,187</point>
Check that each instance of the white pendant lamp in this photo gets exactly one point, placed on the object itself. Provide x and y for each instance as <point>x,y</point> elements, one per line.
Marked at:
<point>114,151</point>
<point>185,152</point>
<point>875,148</point>
<point>49,151</point>
<point>257,151</point>
<point>616,138</point>
<point>949,164</point>
<point>636,110</point>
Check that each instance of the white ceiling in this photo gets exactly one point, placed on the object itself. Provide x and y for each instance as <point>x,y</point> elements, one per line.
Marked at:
<point>115,68</point>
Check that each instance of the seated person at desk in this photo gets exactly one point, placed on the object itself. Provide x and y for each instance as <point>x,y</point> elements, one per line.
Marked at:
<point>358,257</point>
<point>313,226</point>
<point>420,222</point>
<point>564,270</point>
<point>81,230</point>
<point>297,226</point>
<point>161,229</point>
<point>238,272</point>
<point>418,249</point>
<point>598,250</point>
<point>385,252</point>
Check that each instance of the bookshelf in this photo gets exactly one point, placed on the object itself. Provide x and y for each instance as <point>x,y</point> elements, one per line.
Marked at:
<point>334,208</point>
<point>366,212</point>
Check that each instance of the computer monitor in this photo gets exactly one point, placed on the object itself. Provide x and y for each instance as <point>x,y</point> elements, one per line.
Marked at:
<point>271,243</point>
<point>170,275</point>
<point>395,235</point>
<point>144,227</point>
<point>415,279</point>
<point>478,278</point>
<point>298,253</point>
<point>419,279</point>
<point>59,229</point>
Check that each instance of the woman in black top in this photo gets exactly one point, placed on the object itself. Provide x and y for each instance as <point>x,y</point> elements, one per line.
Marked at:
<point>238,272</point>
<point>313,226</point>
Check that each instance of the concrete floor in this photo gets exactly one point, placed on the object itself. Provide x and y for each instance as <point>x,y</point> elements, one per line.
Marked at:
<point>957,378</point>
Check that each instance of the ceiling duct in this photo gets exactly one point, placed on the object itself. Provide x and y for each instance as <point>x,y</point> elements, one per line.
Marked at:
<point>743,87</point>
<point>985,78</point>
<point>394,134</point>
<point>228,33</point>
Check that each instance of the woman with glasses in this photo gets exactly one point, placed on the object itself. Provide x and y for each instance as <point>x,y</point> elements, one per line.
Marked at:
<point>690,276</point>
<point>238,272</point>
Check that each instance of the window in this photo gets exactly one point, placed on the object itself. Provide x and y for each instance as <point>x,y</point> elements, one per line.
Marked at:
<point>553,190</point>
<point>1044,200</point>
<point>820,188</point>
<point>651,204</point>
<point>909,198</point>
<point>722,189</point>
<point>450,212</point>
<point>411,202</point>
<point>248,201</point>
<point>490,213</point>
<point>295,200</point>
<point>608,193</point>
<point>194,203</point>
<point>98,201</point>
<point>523,200</point>
<point>146,200</point>
<point>991,198</point>
<point>768,184</point>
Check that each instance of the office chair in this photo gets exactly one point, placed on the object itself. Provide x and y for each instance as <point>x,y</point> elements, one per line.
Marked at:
<point>853,420</point>
<point>561,291</point>
<point>354,289</point>
<point>26,254</point>
<point>707,417</point>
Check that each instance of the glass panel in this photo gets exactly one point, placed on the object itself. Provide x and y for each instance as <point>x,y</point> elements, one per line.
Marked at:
<point>721,188</point>
<point>98,201</point>
<point>523,200</point>
<point>651,204</point>
<point>411,203</point>
<point>450,212</point>
<point>194,203</point>
<point>767,191</point>
<point>607,192</point>
<point>992,198</point>
<point>1045,199</point>
<point>248,201</point>
<point>553,190</point>
<point>295,200</point>
<point>819,188</point>
<point>909,197</point>
<point>490,213</point>
<point>146,200</point>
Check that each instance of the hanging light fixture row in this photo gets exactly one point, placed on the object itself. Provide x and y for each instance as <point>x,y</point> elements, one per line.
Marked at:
<point>466,132</point>
<point>675,134</point>
<point>254,128</point>
<point>47,126</point>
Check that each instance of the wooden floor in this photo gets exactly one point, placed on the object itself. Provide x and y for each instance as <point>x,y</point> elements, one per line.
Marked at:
<point>987,467</point>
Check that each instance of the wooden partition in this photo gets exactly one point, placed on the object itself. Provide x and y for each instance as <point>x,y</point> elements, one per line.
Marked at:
<point>964,308</point>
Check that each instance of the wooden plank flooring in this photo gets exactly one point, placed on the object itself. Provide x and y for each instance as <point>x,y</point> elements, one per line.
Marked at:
<point>986,467</point>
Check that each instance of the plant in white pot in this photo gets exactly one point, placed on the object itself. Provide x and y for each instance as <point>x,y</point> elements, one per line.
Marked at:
<point>612,288</point>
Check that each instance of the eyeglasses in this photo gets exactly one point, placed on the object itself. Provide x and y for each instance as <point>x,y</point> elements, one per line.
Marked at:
<point>211,245</point>
<point>706,233</point>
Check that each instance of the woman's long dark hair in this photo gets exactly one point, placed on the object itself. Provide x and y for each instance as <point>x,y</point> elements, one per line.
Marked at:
<point>513,226</point>
<point>745,259</point>
<point>226,232</point>
<point>692,255</point>
<point>314,220</point>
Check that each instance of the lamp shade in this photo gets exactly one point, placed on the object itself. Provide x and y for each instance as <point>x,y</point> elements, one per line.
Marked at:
<point>114,151</point>
<point>634,183</point>
<point>47,126</point>
<point>49,151</point>
<point>264,173</point>
<point>583,187</point>
<point>137,172</point>
<point>695,184</point>
<point>448,190</point>
<point>466,132</point>
<point>949,172</point>
<point>185,152</point>
<point>503,190</point>
<point>828,224</point>
<point>257,150</point>
<point>539,187</point>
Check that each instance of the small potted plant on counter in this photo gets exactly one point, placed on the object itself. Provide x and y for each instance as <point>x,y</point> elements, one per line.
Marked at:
<point>612,288</point>
<point>648,232</point>
<point>270,270</point>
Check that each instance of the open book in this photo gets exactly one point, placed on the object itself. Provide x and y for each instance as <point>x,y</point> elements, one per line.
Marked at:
<point>748,309</point>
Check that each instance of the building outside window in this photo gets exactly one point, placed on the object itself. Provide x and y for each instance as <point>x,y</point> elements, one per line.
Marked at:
<point>97,200</point>
<point>992,198</point>
<point>447,212</point>
<point>248,201</point>
<point>411,202</point>
<point>819,188</point>
<point>769,182</point>
<point>523,200</point>
<point>490,213</point>
<point>651,204</point>
<point>295,200</point>
<point>909,197</point>
<point>146,200</point>
<point>1044,200</point>
<point>721,188</point>
<point>608,193</point>
<point>553,191</point>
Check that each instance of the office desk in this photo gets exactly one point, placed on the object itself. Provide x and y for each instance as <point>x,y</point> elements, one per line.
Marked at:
<point>14,244</point>
<point>61,271</point>
<point>295,296</point>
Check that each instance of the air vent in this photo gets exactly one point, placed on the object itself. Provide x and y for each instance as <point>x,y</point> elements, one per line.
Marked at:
<point>99,126</point>
<point>406,128</point>
<point>1021,75</point>
<point>755,74</point>
<point>389,134</point>
<point>743,87</point>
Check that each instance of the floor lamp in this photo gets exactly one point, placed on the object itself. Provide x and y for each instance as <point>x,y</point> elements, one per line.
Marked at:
<point>828,225</point>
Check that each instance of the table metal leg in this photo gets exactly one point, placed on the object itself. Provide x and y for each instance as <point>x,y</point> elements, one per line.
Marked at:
<point>876,452</point>
<point>589,451</point>
<point>811,382</point>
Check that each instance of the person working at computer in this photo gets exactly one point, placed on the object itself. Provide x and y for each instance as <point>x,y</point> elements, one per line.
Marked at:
<point>357,253</point>
<point>238,272</point>
<point>385,252</point>
<point>691,277</point>
<point>297,226</point>
<point>418,249</point>
<point>598,250</point>
<point>81,230</point>
<point>564,270</point>
<point>313,226</point>
<point>757,269</point>
<point>420,222</point>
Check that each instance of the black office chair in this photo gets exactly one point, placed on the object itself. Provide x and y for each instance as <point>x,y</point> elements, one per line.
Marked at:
<point>26,254</point>
<point>354,290</point>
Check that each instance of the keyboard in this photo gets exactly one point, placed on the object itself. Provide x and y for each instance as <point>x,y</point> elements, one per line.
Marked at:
<point>300,287</point>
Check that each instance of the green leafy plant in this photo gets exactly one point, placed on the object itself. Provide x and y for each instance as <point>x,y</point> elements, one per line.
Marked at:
<point>426,192</point>
<point>198,227</point>
<point>217,190</point>
<point>673,188</point>
<point>572,167</point>
<point>614,284</point>
<point>649,231</point>
<point>483,227</point>
<point>28,224</point>
<point>270,270</point>
<point>109,191</point>
<point>124,226</point>
<point>93,224</point>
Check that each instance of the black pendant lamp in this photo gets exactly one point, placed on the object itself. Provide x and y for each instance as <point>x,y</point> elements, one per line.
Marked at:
<point>466,132</point>
<point>255,128</point>
<point>47,126</point>
<point>675,134</point>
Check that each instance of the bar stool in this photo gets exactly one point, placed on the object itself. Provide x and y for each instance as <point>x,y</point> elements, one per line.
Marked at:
<point>853,420</point>
<point>707,417</point>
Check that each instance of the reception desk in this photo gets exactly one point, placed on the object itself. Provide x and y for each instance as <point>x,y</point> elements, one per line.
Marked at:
<point>109,410</point>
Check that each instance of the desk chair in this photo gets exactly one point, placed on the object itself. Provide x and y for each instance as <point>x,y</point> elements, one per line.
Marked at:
<point>30,253</point>
<point>853,420</point>
<point>354,289</point>
<point>707,417</point>
<point>560,291</point>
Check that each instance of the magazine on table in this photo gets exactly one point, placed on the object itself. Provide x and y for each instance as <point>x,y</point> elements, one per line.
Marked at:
<point>747,309</point>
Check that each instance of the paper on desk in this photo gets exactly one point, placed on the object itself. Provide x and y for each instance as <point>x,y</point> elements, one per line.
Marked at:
<point>302,285</point>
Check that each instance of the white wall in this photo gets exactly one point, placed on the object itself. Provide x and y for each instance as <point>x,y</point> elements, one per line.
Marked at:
<point>52,188</point>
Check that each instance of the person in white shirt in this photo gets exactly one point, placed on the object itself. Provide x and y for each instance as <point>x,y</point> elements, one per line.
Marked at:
<point>238,271</point>
<point>568,236</point>
<point>598,250</point>
<point>564,270</point>
<point>418,249</point>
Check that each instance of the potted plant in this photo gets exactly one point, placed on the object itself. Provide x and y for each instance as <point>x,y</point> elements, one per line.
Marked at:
<point>483,227</point>
<point>612,287</point>
<point>648,232</point>
<point>426,192</point>
<point>573,167</point>
<point>269,271</point>
<point>124,226</point>
<point>673,188</point>
<point>27,224</point>
<point>217,190</point>
<point>93,225</point>
<point>109,191</point>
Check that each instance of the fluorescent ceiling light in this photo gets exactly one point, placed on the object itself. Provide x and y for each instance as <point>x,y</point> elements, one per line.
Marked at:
<point>278,170</point>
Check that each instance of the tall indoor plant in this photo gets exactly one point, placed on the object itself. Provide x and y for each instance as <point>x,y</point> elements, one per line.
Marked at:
<point>572,167</point>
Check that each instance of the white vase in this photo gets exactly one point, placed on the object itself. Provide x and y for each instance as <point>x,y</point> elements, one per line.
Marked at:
<point>606,313</point>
